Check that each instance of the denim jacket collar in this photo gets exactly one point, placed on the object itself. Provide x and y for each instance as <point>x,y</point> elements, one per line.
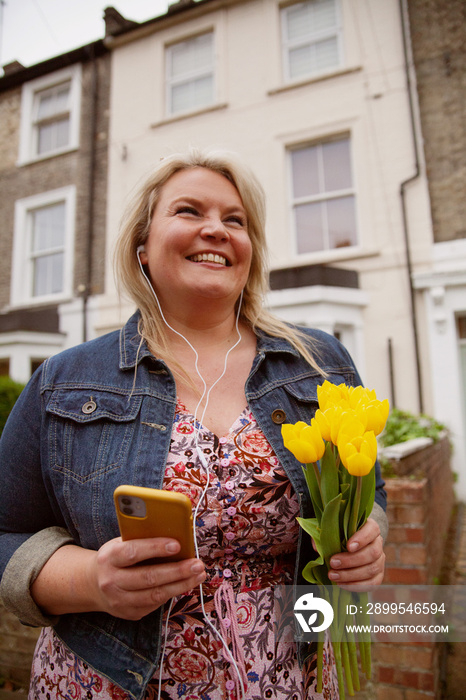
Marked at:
<point>132,351</point>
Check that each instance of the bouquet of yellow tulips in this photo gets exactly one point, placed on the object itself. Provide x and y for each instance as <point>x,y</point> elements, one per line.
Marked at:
<point>342,437</point>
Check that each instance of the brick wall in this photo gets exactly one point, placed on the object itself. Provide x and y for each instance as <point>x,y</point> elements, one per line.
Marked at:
<point>439,49</point>
<point>17,644</point>
<point>419,512</point>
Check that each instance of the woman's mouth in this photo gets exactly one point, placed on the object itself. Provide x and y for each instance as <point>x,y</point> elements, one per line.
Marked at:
<point>209,257</point>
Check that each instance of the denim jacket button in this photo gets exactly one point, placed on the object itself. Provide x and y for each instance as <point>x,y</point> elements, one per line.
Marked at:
<point>278,416</point>
<point>89,407</point>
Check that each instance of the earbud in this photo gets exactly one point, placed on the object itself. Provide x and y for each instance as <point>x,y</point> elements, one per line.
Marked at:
<point>140,249</point>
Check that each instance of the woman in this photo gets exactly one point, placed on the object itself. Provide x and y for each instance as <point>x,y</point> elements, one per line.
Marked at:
<point>190,396</point>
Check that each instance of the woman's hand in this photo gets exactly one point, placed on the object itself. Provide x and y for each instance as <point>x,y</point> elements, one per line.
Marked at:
<point>129,588</point>
<point>364,562</point>
<point>113,579</point>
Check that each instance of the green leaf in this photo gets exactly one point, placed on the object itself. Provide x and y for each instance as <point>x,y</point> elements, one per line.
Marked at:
<point>330,529</point>
<point>329,481</point>
<point>316,572</point>
<point>311,526</point>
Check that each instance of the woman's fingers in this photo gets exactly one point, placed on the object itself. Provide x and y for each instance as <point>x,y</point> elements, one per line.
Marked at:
<point>129,588</point>
<point>365,564</point>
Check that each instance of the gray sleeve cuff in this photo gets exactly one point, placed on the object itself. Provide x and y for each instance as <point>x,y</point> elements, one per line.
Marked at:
<point>379,515</point>
<point>23,569</point>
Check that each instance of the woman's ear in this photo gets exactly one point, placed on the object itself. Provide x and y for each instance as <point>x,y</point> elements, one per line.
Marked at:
<point>142,255</point>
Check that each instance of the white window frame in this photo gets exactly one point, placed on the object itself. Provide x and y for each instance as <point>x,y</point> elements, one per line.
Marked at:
<point>22,267</point>
<point>321,197</point>
<point>28,131</point>
<point>191,75</point>
<point>288,44</point>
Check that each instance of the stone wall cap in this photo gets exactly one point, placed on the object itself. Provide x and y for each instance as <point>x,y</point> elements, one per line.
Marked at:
<point>403,449</point>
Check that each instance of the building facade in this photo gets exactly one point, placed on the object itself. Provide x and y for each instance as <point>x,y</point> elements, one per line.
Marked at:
<point>53,181</point>
<point>319,98</point>
<point>352,116</point>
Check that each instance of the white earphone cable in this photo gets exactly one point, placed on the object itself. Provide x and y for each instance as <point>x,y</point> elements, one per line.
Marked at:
<point>197,425</point>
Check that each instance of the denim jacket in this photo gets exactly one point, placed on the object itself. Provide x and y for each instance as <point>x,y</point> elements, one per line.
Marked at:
<point>100,415</point>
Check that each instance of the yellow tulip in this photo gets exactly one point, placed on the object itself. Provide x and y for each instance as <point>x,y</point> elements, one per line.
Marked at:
<point>330,421</point>
<point>359,395</point>
<point>358,452</point>
<point>376,415</point>
<point>304,441</point>
<point>329,394</point>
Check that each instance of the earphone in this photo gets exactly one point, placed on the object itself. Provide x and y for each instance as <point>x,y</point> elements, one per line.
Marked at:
<point>197,425</point>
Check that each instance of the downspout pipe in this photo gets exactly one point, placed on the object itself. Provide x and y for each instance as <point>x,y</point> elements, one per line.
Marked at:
<point>403,188</point>
<point>90,196</point>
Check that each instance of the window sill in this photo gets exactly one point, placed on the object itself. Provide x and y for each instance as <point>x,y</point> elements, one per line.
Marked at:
<point>33,302</point>
<point>313,79</point>
<point>47,156</point>
<point>330,256</point>
<point>189,115</point>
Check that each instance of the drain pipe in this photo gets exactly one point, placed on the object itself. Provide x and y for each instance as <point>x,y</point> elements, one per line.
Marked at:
<point>91,197</point>
<point>403,186</point>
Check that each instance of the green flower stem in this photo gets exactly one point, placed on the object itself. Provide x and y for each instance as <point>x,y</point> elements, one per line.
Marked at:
<point>347,667</point>
<point>341,680</point>
<point>317,473</point>
<point>353,526</point>
<point>366,639</point>
<point>353,657</point>
<point>362,654</point>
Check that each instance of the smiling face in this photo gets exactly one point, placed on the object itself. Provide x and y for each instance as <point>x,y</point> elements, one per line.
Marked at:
<point>198,245</point>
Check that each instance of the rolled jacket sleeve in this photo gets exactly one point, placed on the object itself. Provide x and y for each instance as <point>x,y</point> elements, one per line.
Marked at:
<point>23,569</point>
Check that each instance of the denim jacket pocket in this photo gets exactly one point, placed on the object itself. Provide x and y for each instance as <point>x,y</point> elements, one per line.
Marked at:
<point>303,393</point>
<point>89,431</point>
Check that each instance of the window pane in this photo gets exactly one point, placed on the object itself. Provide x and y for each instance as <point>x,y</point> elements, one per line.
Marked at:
<point>48,275</point>
<point>63,93</point>
<point>325,14</point>
<point>62,133</point>
<point>192,95</point>
<point>301,61</point>
<point>52,136</point>
<point>308,18</point>
<point>341,222</point>
<point>45,138</point>
<point>309,227</point>
<point>192,55</point>
<point>298,20</point>
<point>52,101</point>
<point>45,108</point>
<point>48,227</point>
<point>305,172</point>
<point>326,54</point>
<point>337,168</point>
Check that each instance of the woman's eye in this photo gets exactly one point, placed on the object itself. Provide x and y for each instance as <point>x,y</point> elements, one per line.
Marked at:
<point>187,210</point>
<point>236,220</point>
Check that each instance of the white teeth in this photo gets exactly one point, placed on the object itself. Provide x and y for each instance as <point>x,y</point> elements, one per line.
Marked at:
<point>209,257</point>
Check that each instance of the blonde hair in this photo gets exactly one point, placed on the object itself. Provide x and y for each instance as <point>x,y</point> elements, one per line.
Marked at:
<point>135,230</point>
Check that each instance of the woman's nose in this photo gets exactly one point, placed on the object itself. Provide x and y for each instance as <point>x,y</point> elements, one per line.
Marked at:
<point>213,227</point>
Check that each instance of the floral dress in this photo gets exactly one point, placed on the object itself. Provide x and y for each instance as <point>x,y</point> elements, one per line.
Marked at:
<point>247,534</point>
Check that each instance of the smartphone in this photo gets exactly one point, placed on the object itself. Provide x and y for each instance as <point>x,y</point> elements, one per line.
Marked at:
<point>144,512</point>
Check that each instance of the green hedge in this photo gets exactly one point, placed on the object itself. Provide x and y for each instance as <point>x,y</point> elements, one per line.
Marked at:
<point>403,425</point>
<point>9,392</point>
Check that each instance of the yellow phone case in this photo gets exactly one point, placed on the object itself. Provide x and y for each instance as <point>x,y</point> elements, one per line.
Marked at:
<point>144,512</point>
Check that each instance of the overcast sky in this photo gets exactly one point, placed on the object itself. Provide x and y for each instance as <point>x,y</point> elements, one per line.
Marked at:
<point>34,30</point>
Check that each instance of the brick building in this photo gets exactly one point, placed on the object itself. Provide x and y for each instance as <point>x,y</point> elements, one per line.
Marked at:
<point>438,40</point>
<point>54,120</point>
